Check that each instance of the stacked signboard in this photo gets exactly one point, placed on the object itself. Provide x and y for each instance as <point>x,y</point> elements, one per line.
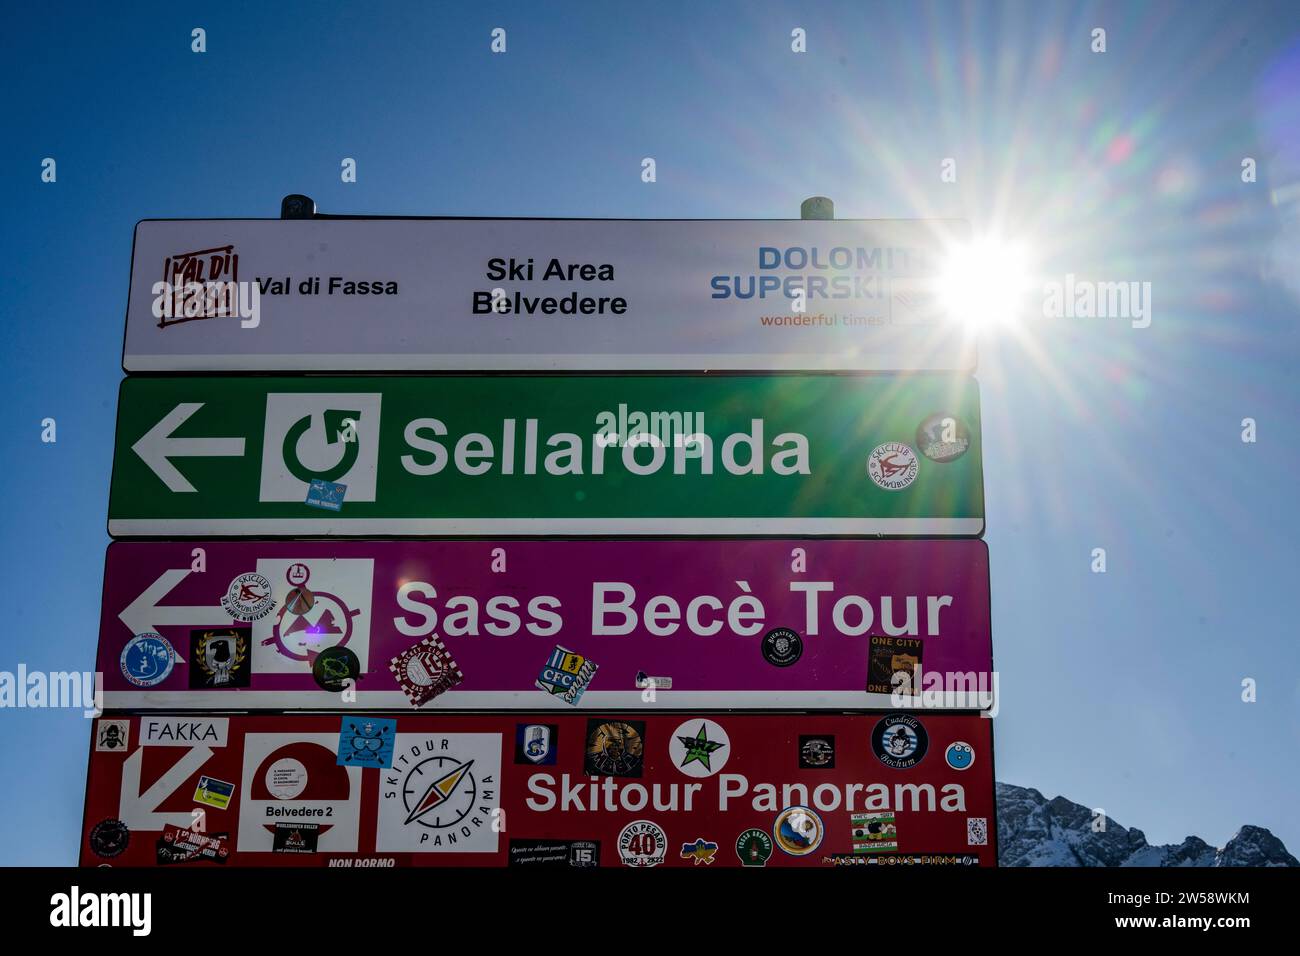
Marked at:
<point>649,581</point>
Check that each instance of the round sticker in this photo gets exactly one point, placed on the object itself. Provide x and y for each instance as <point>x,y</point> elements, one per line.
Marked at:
<point>699,748</point>
<point>959,755</point>
<point>147,659</point>
<point>109,838</point>
<point>943,438</point>
<point>249,597</point>
<point>754,847</point>
<point>798,830</point>
<point>642,843</point>
<point>334,667</point>
<point>782,647</point>
<point>892,465</point>
<point>286,779</point>
<point>899,741</point>
<point>299,601</point>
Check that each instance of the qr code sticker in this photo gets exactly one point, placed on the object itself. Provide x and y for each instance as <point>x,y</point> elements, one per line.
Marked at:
<point>977,831</point>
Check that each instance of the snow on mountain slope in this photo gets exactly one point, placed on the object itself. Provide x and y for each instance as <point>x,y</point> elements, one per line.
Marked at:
<point>1035,831</point>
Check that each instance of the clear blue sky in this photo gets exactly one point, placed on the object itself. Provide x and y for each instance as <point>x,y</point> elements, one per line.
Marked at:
<point>1121,690</point>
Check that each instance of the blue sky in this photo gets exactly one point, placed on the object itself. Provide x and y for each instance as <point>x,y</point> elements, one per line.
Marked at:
<point>1120,691</point>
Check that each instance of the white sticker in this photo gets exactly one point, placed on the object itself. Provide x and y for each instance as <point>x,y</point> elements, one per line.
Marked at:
<point>183,731</point>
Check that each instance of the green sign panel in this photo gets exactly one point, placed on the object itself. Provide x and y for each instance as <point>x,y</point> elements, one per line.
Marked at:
<point>617,455</point>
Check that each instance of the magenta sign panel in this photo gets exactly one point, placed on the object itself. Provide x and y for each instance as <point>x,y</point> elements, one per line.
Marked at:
<point>562,624</point>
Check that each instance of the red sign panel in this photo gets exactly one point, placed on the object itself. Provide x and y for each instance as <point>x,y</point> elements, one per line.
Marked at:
<point>550,790</point>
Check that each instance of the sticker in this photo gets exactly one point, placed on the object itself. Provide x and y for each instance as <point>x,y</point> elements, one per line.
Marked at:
<point>816,752</point>
<point>642,843</point>
<point>891,656</point>
<point>213,792</point>
<point>754,847</point>
<point>959,755</point>
<point>701,851</point>
<point>112,735</point>
<point>147,659</point>
<point>899,741</point>
<point>699,748</point>
<point>904,859</point>
<point>615,748</point>
<point>977,831</point>
<point>425,670</point>
<point>295,838</point>
<point>299,600</point>
<point>179,845</point>
<point>566,675</point>
<point>441,795</point>
<point>184,731</point>
<point>326,494</point>
<point>553,854</point>
<point>798,830</point>
<point>644,681</point>
<point>335,669</point>
<point>366,742</point>
<point>286,779</point>
<point>873,832</point>
<point>892,466</point>
<point>249,597</point>
<point>536,743</point>
<point>943,438</point>
<point>108,838</point>
<point>220,658</point>
<point>781,646</point>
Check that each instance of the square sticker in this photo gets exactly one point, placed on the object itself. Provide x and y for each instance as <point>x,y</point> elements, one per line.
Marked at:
<point>213,792</point>
<point>366,742</point>
<point>441,795</point>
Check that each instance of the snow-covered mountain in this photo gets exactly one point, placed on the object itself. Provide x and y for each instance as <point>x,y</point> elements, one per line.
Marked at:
<point>1035,831</point>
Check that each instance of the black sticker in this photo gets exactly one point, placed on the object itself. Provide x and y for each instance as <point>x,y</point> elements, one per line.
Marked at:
<point>942,438</point>
<point>554,854</point>
<point>615,748</point>
<point>221,658</point>
<point>295,838</point>
<point>334,667</point>
<point>108,838</point>
<point>891,656</point>
<point>816,751</point>
<point>899,741</point>
<point>782,647</point>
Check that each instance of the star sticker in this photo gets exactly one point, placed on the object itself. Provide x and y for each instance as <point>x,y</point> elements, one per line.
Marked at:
<point>699,748</point>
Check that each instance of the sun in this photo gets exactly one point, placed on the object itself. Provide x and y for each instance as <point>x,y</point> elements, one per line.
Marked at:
<point>983,282</point>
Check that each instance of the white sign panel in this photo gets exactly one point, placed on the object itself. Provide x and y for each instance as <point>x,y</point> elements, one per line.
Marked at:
<point>535,294</point>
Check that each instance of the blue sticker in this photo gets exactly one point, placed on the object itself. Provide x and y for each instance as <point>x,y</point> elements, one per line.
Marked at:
<point>366,742</point>
<point>147,659</point>
<point>960,755</point>
<point>536,743</point>
<point>326,494</point>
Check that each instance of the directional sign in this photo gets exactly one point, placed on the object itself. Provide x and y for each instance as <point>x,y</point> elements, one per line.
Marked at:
<point>639,625</point>
<point>816,455</point>
<point>547,791</point>
<point>516,294</point>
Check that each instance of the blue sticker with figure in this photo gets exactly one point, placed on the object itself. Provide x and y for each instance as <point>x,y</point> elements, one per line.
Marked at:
<point>326,494</point>
<point>366,742</point>
<point>147,659</point>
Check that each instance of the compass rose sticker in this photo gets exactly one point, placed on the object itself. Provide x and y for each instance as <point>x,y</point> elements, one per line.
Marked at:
<point>441,795</point>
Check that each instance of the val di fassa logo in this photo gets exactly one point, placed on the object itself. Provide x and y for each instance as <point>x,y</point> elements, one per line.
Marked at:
<point>334,437</point>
